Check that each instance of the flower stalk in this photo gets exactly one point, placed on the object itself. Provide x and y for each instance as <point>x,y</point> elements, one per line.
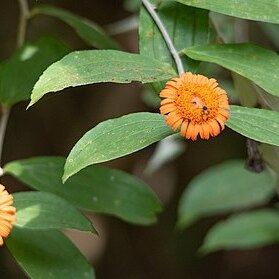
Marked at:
<point>150,8</point>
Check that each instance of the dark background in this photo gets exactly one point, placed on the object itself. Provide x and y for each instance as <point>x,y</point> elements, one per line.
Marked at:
<point>52,126</point>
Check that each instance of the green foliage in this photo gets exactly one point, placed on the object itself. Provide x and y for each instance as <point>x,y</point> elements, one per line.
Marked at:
<point>38,210</point>
<point>94,66</point>
<point>246,90</point>
<point>21,71</point>
<point>224,188</point>
<point>270,155</point>
<point>97,189</point>
<point>89,31</point>
<point>115,138</point>
<point>260,10</point>
<point>48,255</point>
<point>244,231</point>
<point>253,62</point>
<point>258,124</point>
<point>272,31</point>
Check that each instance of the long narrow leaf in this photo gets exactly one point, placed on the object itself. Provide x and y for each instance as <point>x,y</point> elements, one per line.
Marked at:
<point>95,66</point>
<point>96,189</point>
<point>89,31</point>
<point>261,10</point>
<point>258,124</point>
<point>253,62</point>
<point>115,138</point>
<point>48,254</point>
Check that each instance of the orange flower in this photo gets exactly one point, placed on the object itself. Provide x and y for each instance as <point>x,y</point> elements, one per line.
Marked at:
<point>7,213</point>
<point>195,103</point>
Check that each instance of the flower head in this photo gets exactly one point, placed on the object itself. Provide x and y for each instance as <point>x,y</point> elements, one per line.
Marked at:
<point>7,213</point>
<point>195,103</point>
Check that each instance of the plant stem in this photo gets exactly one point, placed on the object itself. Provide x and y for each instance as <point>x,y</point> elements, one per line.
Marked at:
<point>3,126</point>
<point>24,11</point>
<point>149,7</point>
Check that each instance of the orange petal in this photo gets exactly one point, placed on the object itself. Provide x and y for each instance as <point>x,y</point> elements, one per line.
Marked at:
<point>190,130</point>
<point>195,132</point>
<point>5,223</point>
<point>220,121</point>
<point>167,108</point>
<point>224,106</point>
<point>5,200</point>
<point>206,130</point>
<point>215,128</point>
<point>223,113</point>
<point>167,101</point>
<point>8,209</point>
<point>212,83</point>
<point>172,118</point>
<point>167,93</point>
<point>4,230</point>
<point>201,132</point>
<point>184,127</point>
<point>186,76</point>
<point>172,83</point>
<point>220,91</point>
<point>177,124</point>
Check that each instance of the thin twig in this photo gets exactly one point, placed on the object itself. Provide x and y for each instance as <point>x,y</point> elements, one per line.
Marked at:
<point>149,7</point>
<point>24,13</point>
<point>3,126</point>
<point>20,40</point>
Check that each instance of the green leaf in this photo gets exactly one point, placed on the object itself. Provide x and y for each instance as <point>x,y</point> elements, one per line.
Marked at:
<point>246,91</point>
<point>186,26</point>
<point>89,31</point>
<point>244,231</point>
<point>97,189</point>
<point>223,188</point>
<point>95,66</point>
<point>116,138</point>
<point>253,62</point>
<point>270,155</point>
<point>260,10</point>
<point>224,27</point>
<point>39,210</point>
<point>47,254</point>
<point>258,124</point>
<point>271,31</point>
<point>20,72</point>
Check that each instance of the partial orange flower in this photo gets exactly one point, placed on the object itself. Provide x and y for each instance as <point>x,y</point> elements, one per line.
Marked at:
<point>195,103</point>
<point>7,213</point>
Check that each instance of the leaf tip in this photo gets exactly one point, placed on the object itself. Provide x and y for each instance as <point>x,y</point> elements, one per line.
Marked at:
<point>67,173</point>
<point>207,248</point>
<point>65,177</point>
<point>183,223</point>
<point>203,251</point>
<point>30,104</point>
